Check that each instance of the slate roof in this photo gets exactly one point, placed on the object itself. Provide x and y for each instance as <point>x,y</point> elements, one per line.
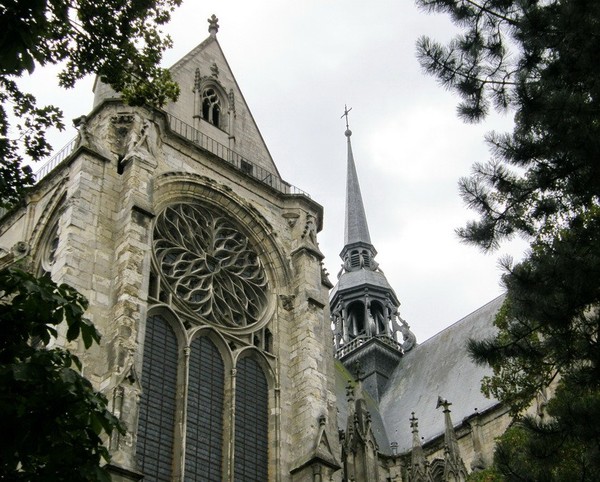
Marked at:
<point>361,278</point>
<point>442,367</point>
<point>342,377</point>
<point>439,367</point>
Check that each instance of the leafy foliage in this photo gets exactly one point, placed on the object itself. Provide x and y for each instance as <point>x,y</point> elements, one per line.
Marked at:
<point>486,475</point>
<point>538,59</point>
<point>119,40</point>
<point>520,450</point>
<point>52,419</point>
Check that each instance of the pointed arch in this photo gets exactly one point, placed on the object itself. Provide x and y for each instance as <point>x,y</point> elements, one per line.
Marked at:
<point>357,322</point>
<point>251,419</point>
<point>45,236</point>
<point>158,400</point>
<point>213,103</point>
<point>204,411</point>
<point>174,187</point>
<point>219,341</point>
<point>178,187</point>
<point>437,470</point>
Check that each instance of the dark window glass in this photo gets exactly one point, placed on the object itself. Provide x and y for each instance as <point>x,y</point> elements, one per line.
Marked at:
<point>251,423</point>
<point>246,167</point>
<point>157,404</point>
<point>204,440</point>
<point>211,111</point>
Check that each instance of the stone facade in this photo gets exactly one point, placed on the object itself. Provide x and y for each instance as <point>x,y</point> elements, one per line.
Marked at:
<point>178,220</point>
<point>100,207</point>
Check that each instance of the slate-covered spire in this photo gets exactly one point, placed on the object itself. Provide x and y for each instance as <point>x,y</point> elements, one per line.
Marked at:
<point>356,228</point>
<point>364,308</point>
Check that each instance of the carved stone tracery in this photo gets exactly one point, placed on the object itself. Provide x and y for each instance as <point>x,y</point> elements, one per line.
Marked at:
<point>49,249</point>
<point>210,265</point>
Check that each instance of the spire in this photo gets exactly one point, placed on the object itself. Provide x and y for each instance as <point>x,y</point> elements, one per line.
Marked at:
<point>356,228</point>
<point>364,307</point>
<point>419,467</point>
<point>454,468</point>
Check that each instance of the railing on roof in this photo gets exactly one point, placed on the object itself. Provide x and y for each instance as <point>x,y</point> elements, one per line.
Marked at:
<point>49,165</point>
<point>56,160</point>
<point>229,155</point>
<point>362,339</point>
<point>194,135</point>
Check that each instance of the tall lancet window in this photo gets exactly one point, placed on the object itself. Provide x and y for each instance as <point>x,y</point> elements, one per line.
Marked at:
<point>204,430</point>
<point>251,423</point>
<point>157,405</point>
<point>211,106</point>
<point>211,280</point>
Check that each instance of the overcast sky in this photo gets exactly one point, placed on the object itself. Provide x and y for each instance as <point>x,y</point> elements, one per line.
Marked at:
<point>297,63</point>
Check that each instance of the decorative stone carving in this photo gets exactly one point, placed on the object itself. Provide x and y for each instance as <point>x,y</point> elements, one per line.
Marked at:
<point>210,266</point>
<point>143,142</point>
<point>454,467</point>
<point>291,218</point>
<point>84,136</point>
<point>419,467</point>
<point>20,249</point>
<point>287,301</point>
<point>408,337</point>
<point>213,25</point>
<point>125,397</point>
<point>310,230</point>
<point>121,127</point>
<point>49,249</point>
<point>231,98</point>
<point>325,276</point>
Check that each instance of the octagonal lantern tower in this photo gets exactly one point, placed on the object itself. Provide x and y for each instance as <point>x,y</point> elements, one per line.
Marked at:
<point>369,335</point>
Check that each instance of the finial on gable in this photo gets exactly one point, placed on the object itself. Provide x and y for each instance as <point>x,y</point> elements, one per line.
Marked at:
<point>213,25</point>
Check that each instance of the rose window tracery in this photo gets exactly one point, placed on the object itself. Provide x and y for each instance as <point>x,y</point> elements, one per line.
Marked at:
<point>209,265</point>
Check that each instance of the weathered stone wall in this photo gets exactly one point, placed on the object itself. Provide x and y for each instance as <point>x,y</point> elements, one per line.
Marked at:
<point>238,130</point>
<point>105,198</point>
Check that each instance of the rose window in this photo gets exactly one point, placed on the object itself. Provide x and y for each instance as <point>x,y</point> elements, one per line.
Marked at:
<point>209,265</point>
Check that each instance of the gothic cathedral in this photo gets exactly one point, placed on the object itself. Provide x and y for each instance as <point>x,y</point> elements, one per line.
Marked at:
<point>204,275</point>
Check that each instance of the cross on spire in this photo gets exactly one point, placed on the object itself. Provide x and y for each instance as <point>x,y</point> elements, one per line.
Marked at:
<point>414,421</point>
<point>345,114</point>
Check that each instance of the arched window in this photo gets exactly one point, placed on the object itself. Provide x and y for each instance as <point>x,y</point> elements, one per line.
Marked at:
<point>204,429</point>
<point>157,404</point>
<point>251,422</point>
<point>356,319</point>
<point>437,470</point>
<point>47,250</point>
<point>377,313</point>
<point>211,107</point>
<point>207,273</point>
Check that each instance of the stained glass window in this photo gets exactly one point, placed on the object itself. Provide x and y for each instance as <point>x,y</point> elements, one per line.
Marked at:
<point>157,403</point>
<point>210,265</point>
<point>251,423</point>
<point>204,441</point>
